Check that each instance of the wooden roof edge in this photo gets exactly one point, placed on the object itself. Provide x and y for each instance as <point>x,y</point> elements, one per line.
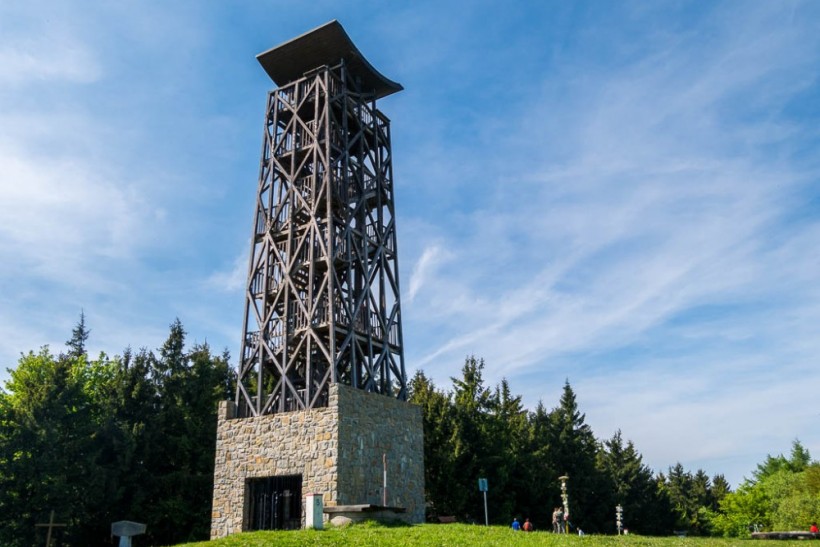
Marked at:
<point>326,45</point>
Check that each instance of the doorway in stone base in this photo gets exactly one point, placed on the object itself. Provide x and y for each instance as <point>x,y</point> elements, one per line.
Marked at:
<point>274,503</point>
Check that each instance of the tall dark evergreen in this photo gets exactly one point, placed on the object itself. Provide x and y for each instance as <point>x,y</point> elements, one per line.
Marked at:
<point>692,496</point>
<point>677,485</point>
<point>181,436</point>
<point>472,404</point>
<point>79,336</point>
<point>508,435</point>
<point>575,450</point>
<point>701,498</point>
<point>439,459</point>
<point>633,486</point>
<point>720,488</point>
<point>540,467</point>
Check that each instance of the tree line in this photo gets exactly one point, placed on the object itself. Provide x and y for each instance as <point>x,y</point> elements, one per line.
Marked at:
<point>108,439</point>
<point>477,431</point>
<point>474,430</point>
<point>132,437</point>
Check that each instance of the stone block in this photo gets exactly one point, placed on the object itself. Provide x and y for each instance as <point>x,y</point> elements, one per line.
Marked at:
<point>338,450</point>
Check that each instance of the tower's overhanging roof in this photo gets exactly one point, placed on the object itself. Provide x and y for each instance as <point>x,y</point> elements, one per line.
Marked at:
<point>324,45</point>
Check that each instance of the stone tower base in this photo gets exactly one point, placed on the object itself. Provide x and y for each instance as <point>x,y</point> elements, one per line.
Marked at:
<point>336,450</point>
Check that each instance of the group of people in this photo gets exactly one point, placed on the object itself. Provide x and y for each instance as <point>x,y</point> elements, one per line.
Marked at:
<point>517,526</point>
<point>560,522</point>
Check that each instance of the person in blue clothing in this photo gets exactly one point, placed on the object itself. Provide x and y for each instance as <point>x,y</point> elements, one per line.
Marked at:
<point>516,526</point>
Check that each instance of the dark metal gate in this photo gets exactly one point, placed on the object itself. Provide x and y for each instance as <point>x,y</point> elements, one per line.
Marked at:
<point>275,503</point>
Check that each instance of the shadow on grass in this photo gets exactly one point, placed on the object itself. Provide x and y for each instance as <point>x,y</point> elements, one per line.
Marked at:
<point>366,524</point>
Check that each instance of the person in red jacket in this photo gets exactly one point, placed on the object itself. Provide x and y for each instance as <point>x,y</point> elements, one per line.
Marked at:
<point>527,526</point>
<point>813,528</point>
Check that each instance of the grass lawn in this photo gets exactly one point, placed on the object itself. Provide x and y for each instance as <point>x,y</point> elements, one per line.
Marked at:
<point>459,534</point>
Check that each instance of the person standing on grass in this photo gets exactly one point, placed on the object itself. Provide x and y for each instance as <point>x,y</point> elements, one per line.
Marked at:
<point>527,525</point>
<point>516,526</point>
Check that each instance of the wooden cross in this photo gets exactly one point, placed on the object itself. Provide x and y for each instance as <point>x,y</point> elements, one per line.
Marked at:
<point>51,525</point>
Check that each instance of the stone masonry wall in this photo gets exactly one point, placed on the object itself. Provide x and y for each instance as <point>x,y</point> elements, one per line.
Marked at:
<point>292,443</point>
<point>337,450</point>
<point>370,426</point>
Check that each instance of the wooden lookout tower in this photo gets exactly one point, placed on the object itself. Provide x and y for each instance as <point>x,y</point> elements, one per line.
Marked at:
<point>322,299</point>
<point>322,340</point>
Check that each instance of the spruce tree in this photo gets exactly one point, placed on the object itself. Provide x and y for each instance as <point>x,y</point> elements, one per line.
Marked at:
<point>507,436</point>
<point>439,454</point>
<point>719,489</point>
<point>471,445</point>
<point>541,466</point>
<point>575,450</point>
<point>79,336</point>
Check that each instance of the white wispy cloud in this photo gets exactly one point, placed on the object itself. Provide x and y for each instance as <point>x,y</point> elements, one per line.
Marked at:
<point>81,196</point>
<point>620,196</point>
<point>46,58</point>
<point>424,268</point>
<point>233,279</point>
<point>653,223</point>
<point>657,194</point>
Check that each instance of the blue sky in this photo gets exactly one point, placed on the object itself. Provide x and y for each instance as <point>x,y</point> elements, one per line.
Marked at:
<point>622,194</point>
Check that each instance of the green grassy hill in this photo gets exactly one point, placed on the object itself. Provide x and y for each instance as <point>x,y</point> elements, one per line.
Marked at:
<point>459,534</point>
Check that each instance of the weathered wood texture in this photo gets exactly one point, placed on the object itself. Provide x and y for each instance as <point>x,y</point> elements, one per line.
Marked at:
<point>326,45</point>
<point>322,299</point>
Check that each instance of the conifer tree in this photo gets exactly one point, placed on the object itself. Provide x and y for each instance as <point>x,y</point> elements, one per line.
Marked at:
<point>720,487</point>
<point>173,450</point>
<point>540,462</point>
<point>79,336</point>
<point>633,486</point>
<point>507,436</point>
<point>575,450</point>
<point>439,460</point>
<point>471,407</point>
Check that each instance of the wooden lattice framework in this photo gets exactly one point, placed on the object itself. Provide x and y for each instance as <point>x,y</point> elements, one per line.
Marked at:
<point>322,301</point>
